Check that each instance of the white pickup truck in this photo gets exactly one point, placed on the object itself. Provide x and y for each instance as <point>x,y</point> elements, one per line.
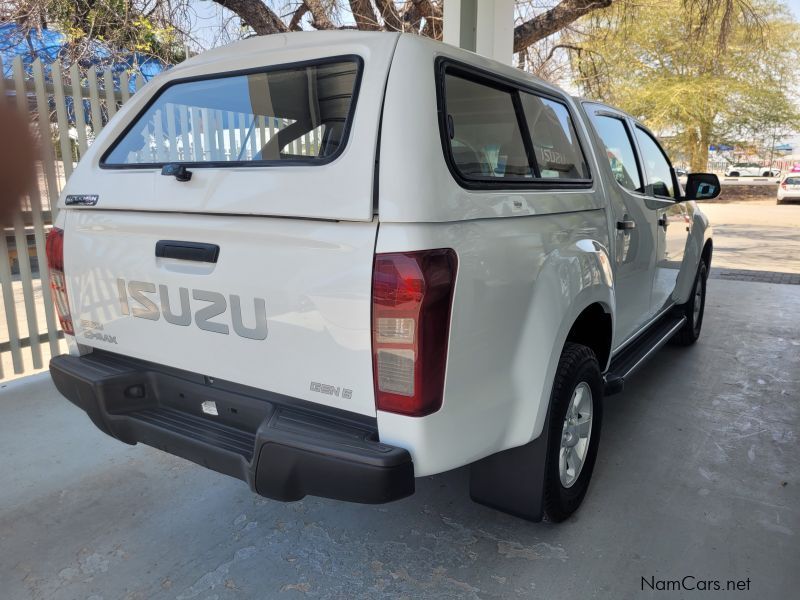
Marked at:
<point>331,263</point>
<point>751,170</point>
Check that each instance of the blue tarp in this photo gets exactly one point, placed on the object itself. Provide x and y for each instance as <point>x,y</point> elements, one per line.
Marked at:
<point>48,46</point>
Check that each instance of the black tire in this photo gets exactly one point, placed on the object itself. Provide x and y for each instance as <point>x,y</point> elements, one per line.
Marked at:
<point>766,174</point>
<point>577,365</point>
<point>734,174</point>
<point>689,333</point>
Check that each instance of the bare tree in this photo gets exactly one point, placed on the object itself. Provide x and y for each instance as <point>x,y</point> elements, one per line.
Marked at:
<point>419,16</point>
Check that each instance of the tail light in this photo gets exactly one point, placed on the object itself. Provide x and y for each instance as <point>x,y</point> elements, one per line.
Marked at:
<point>58,284</point>
<point>412,295</point>
<point>783,185</point>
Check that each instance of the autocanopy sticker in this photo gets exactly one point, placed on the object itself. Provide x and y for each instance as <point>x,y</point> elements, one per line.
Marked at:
<point>81,199</point>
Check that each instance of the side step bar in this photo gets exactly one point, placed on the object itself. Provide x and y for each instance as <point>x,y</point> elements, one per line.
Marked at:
<point>634,356</point>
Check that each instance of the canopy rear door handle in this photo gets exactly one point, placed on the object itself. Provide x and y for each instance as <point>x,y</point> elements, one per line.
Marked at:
<point>196,251</point>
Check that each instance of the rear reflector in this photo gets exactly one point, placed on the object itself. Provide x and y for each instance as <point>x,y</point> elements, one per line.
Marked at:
<point>58,284</point>
<point>412,294</point>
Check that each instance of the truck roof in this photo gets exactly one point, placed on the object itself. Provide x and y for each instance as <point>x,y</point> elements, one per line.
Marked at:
<point>297,43</point>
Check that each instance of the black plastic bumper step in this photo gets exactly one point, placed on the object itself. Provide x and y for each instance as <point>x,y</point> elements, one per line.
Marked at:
<point>214,434</point>
<point>284,448</point>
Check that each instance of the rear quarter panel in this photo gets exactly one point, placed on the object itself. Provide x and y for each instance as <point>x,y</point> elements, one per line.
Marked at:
<point>529,262</point>
<point>521,284</point>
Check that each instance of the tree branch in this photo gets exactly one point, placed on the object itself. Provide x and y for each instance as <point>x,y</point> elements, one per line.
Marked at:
<point>364,15</point>
<point>256,14</point>
<point>553,20</point>
<point>391,18</point>
<point>552,51</point>
<point>294,24</point>
<point>319,15</point>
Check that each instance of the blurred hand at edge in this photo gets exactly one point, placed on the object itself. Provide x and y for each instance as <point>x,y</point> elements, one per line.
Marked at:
<point>17,161</point>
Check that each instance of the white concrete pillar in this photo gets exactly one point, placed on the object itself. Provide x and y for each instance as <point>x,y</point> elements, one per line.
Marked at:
<point>458,28</point>
<point>494,36</point>
<point>482,26</point>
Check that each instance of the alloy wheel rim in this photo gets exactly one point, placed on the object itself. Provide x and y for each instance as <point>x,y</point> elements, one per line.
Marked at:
<point>575,435</point>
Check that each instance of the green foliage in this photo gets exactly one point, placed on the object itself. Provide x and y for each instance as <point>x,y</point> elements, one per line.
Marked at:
<point>696,73</point>
<point>145,26</point>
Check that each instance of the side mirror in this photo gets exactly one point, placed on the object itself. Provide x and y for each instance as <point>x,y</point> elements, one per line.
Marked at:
<point>702,186</point>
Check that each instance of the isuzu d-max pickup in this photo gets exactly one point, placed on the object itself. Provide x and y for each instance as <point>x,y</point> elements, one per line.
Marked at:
<point>330,263</point>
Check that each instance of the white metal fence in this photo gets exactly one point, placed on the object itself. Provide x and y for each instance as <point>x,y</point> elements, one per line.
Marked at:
<point>66,112</point>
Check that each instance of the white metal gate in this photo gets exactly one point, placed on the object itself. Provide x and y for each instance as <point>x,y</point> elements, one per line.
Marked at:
<point>29,332</point>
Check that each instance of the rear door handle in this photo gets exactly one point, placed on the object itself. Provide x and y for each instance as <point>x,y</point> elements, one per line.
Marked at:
<point>196,251</point>
<point>624,225</point>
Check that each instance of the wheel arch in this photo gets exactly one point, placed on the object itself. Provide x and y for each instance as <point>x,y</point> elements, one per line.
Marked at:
<point>573,289</point>
<point>699,247</point>
<point>594,329</point>
<point>708,250</point>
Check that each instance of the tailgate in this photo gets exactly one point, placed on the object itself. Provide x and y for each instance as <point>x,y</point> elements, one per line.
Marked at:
<point>285,307</point>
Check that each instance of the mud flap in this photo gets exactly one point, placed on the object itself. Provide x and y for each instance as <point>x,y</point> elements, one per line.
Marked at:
<point>512,481</point>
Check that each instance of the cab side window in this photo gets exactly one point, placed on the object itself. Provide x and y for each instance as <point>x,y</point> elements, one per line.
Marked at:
<point>555,144</point>
<point>656,166</point>
<point>619,151</point>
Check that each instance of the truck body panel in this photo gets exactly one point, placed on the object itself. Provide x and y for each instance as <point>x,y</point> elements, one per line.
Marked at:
<point>287,302</point>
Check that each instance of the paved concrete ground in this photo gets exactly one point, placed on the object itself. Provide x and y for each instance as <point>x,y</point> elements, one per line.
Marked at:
<point>758,235</point>
<point>697,475</point>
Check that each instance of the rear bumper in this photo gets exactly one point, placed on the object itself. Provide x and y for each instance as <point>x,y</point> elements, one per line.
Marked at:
<point>282,447</point>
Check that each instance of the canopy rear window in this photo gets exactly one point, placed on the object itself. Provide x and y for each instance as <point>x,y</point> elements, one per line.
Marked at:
<point>297,114</point>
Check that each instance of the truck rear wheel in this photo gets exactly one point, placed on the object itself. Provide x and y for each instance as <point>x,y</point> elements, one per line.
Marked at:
<point>575,419</point>
<point>694,309</point>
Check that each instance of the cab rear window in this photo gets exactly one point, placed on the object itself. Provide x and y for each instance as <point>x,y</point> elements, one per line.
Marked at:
<point>297,114</point>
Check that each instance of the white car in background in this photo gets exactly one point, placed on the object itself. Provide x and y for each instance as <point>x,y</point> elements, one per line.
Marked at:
<point>751,170</point>
<point>789,189</point>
